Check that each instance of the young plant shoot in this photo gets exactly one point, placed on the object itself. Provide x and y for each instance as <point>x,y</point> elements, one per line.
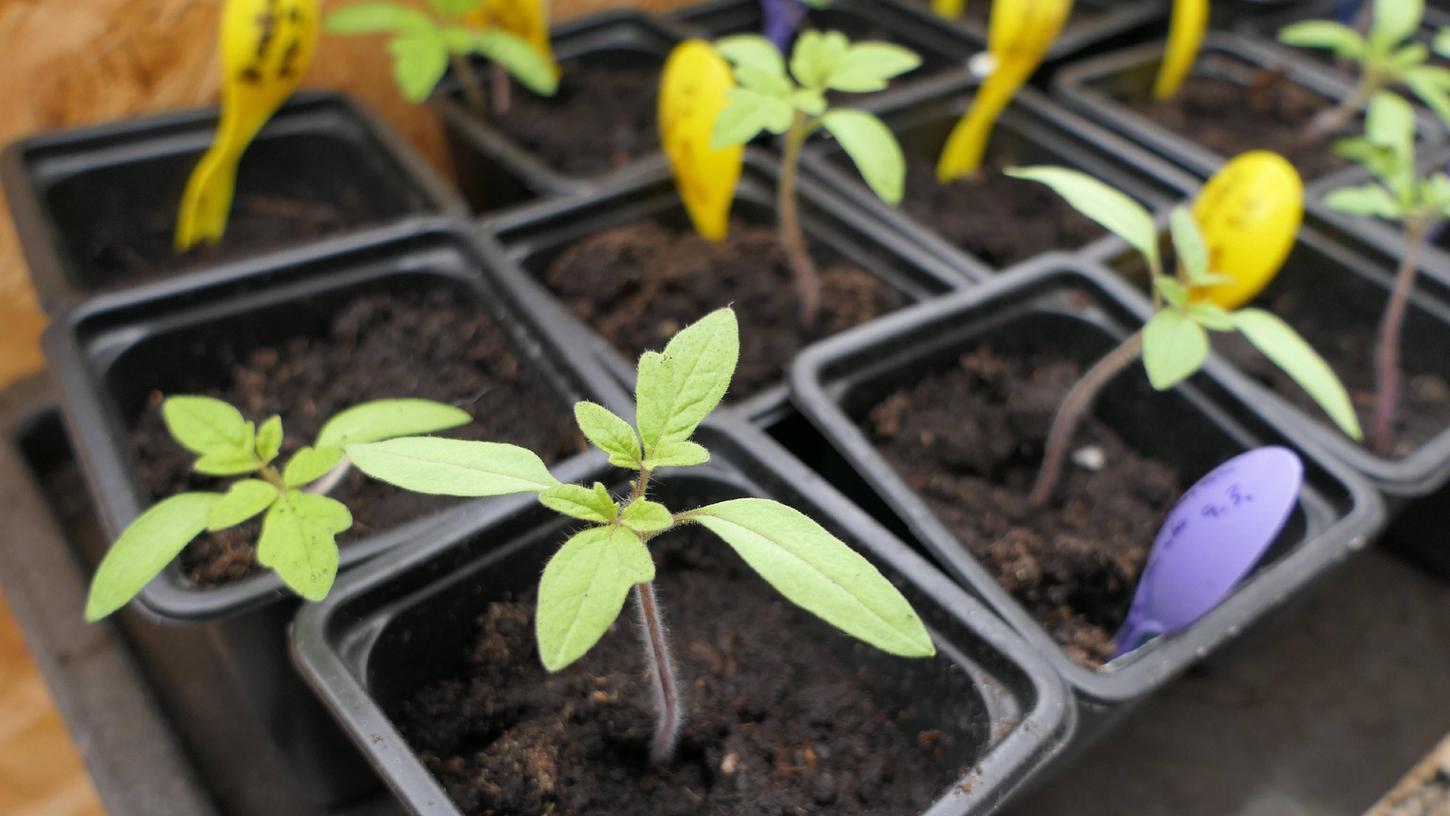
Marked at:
<point>1386,59</point>
<point>1419,205</point>
<point>300,522</point>
<point>794,104</point>
<point>1228,249</point>
<point>585,584</point>
<point>425,43</point>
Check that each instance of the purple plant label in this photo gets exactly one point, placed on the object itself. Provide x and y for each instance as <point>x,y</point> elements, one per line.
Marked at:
<point>1212,539</point>
<point>781,19</point>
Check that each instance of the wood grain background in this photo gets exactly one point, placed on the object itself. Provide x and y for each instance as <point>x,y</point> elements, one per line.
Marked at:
<point>74,62</point>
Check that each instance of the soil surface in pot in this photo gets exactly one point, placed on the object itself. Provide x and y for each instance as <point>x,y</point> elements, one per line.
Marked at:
<point>1229,117</point>
<point>601,118</point>
<point>640,283</point>
<point>777,721</point>
<point>993,217</point>
<point>969,440</point>
<point>419,344</point>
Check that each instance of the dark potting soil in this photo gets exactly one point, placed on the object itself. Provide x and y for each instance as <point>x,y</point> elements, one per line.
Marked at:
<point>640,283</point>
<point>1229,117</point>
<point>419,344</point>
<point>969,440</point>
<point>777,721</point>
<point>996,218</point>
<point>602,117</point>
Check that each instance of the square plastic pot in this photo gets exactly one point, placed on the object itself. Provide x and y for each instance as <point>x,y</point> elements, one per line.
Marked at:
<point>65,187</point>
<point>107,356</point>
<point>1097,87</point>
<point>1033,130</point>
<point>1062,304</point>
<point>406,619</point>
<point>535,236</point>
<point>1265,28</point>
<point>1093,26</point>
<point>493,170</point>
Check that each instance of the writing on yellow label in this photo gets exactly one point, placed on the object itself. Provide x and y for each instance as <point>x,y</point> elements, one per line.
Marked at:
<point>526,19</point>
<point>1022,32</point>
<point>950,9</point>
<point>1249,214</point>
<point>692,94</point>
<point>1185,36</point>
<point>266,47</point>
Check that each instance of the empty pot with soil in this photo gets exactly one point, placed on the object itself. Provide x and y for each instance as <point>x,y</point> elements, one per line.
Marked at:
<point>95,209</point>
<point>428,658</point>
<point>413,311</point>
<point>944,410</point>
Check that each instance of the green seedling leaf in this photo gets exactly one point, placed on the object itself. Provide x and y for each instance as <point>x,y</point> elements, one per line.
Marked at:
<point>310,464</point>
<point>452,467</point>
<point>872,148</point>
<point>1212,316</point>
<point>204,425</point>
<point>375,18</point>
<point>581,502</point>
<point>746,114</point>
<point>866,67</point>
<point>1188,243</point>
<point>1442,42</point>
<point>818,572</point>
<point>269,439</point>
<point>1394,21</point>
<point>1174,348</point>
<point>229,463</point>
<point>1172,291</point>
<point>420,58</point>
<point>1286,349</point>
<point>389,419</point>
<point>1390,124</point>
<point>242,501</point>
<point>752,50</point>
<point>678,453</point>
<point>808,101</point>
<point>1409,56</point>
<point>644,517</point>
<point>607,432</point>
<point>764,82</point>
<point>455,8</point>
<point>532,69</point>
<point>145,547</point>
<point>299,542</point>
<point>1345,42</point>
<point>816,56</point>
<point>1366,200</point>
<point>583,591</point>
<point>1115,211</point>
<point>676,390</point>
<point>1428,83</point>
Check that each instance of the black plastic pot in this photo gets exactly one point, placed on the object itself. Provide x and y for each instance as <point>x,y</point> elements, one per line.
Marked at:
<point>535,236</point>
<point>1098,87</point>
<point>944,50</point>
<point>1033,130</point>
<point>408,617</point>
<point>493,170</point>
<point>108,355</point>
<point>1093,25</point>
<point>1080,311</point>
<point>67,188</point>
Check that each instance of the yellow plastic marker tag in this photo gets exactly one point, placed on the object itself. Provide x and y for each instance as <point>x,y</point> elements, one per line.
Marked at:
<point>526,19</point>
<point>950,9</point>
<point>1185,35</point>
<point>266,47</point>
<point>692,94</point>
<point>1022,32</point>
<point>1249,214</point>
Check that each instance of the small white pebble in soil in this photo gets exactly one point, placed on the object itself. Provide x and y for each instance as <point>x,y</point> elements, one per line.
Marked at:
<point>1090,458</point>
<point>730,764</point>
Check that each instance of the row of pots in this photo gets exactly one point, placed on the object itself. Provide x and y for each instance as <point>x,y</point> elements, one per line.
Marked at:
<point>407,613</point>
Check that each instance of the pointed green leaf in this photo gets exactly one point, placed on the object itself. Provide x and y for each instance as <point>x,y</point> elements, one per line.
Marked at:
<point>375,18</point>
<point>269,439</point>
<point>1212,316</point>
<point>816,56</point>
<point>1344,41</point>
<point>420,58</point>
<point>1286,349</point>
<point>389,419</point>
<point>204,425</point>
<point>678,453</point>
<point>1171,290</point>
<point>745,114</point>
<point>452,467</point>
<point>145,547</point>
<point>583,591</point>
<point>581,502</point>
<point>1429,84</point>
<point>243,500</point>
<point>819,573</point>
<point>1188,243</point>
<point>231,462</point>
<point>310,464</point>
<point>532,69</point>
<point>1394,21</point>
<point>678,389</point>
<point>607,432</point>
<point>872,148</point>
<point>1367,200</point>
<point>1174,348</point>
<point>1115,211</point>
<point>764,82</point>
<point>753,50</point>
<point>868,66</point>
<point>1442,42</point>
<point>645,517</point>
<point>808,101</point>
<point>299,542</point>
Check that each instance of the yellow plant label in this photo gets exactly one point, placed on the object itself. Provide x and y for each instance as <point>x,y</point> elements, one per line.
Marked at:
<point>1185,35</point>
<point>1249,214</point>
<point>526,19</point>
<point>950,9</point>
<point>266,47</point>
<point>1022,32</point>
<point>692,94</point>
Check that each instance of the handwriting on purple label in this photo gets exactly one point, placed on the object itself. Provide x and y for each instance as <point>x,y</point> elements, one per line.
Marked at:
<point>1214,536</point>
